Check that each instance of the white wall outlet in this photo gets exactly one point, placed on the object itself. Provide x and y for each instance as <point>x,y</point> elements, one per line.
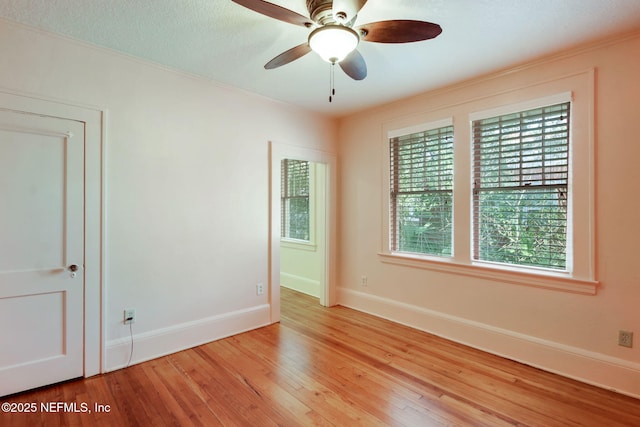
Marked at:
<point>364,281</point>
<point>625,338</point>
<point>259,289</point>
<point>129,316</point>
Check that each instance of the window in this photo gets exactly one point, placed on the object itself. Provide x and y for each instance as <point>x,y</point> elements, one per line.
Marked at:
<point>510,199</point>
<point>520,187</point>
<point>421,196</point>
<point>295,199</point>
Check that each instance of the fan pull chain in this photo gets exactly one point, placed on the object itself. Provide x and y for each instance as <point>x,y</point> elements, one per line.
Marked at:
<point>332,89</point>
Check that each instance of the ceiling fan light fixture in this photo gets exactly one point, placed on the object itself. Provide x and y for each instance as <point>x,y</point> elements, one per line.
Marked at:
<point>333,42</point>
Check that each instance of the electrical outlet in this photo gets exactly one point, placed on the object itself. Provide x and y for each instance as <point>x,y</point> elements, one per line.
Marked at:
<point>129,316</point>
<point>363,281</point>
<point>259,289</point>
<point>625,338</point>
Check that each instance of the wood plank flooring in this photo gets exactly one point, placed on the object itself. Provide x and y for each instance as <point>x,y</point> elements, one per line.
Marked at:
<point>327,367</point>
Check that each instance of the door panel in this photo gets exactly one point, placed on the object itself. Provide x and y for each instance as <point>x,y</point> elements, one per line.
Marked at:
<point>41,236</point>
<point>33,337</point>
<point>29,218</point>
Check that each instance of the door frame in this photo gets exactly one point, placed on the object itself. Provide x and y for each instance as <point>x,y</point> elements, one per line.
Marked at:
<point>277,153</point>
<point>94,120</point>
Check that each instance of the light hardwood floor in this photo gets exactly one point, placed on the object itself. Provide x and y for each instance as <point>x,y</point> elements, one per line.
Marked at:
<point>329,367</point>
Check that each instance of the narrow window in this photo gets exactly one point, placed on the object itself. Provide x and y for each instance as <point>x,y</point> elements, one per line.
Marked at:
<point>520,187</point>
<point>295,199</point>
<point>421,197</point>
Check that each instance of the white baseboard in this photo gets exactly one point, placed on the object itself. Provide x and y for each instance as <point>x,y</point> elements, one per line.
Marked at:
<point>160,342</point>
<point>586,366</point>
<point>300,284</point>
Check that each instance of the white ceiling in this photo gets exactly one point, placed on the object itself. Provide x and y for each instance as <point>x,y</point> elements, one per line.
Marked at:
<point>230,44</point>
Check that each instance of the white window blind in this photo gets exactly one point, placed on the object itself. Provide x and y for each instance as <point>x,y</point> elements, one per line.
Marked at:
<point>295,199</point>
<point>421,192</point>
<point>520,187</point>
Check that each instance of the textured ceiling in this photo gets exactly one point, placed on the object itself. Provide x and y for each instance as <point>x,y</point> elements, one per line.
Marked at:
<point>230,44</point>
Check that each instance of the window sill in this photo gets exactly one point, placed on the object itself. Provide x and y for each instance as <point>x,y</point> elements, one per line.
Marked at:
<point>302,245</point>
<point>559,282</point>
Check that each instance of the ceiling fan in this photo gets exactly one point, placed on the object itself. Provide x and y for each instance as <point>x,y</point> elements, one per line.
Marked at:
<point>334,36</point>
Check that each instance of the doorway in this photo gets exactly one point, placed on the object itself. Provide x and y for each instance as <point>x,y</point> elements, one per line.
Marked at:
<point>325,241</point>
<point>303,226</point>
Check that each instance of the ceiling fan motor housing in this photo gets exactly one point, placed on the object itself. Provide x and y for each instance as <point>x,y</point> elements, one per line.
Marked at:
<point>321,11</point>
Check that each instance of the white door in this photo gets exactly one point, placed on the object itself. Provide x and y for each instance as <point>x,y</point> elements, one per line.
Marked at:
<point>41,243</point>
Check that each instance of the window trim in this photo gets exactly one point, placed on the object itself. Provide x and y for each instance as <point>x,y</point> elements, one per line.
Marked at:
<point>303,245</point>
<point>580,87</point>
<point>488,271</point>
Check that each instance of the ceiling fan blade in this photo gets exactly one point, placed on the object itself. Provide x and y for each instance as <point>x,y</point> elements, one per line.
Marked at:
<point>354,66</point>
<point>288,56</point>
<point>398,31</point>
<point>346,10</point>
<point>275,11</point>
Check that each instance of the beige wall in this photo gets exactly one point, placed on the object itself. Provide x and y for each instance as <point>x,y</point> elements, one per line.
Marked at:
<point>186,187</point>
<point>565,332</point>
